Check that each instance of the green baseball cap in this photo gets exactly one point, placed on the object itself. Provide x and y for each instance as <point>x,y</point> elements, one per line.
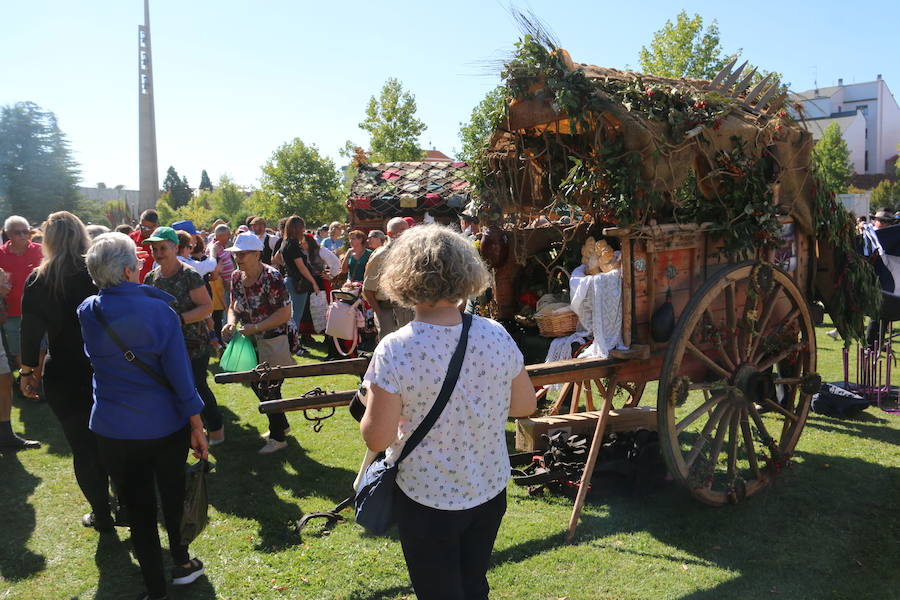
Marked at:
<point>163,234</point>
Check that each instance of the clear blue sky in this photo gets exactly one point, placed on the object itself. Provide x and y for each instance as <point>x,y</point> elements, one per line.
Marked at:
<point>236,78</point>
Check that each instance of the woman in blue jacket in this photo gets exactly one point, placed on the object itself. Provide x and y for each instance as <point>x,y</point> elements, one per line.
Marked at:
<point>144,418</point>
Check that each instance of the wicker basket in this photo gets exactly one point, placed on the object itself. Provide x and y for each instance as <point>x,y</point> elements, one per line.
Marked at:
<point>558,324</point>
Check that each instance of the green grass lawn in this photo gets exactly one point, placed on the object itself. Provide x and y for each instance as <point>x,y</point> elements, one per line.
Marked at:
<point>828,528</point>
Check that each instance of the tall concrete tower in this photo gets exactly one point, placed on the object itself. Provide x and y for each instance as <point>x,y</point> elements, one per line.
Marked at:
<point>149,172</point>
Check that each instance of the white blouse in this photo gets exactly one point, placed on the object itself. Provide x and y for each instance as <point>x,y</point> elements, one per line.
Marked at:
<point>462,462</point>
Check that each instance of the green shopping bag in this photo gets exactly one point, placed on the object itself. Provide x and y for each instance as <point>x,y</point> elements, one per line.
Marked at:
<point>240,355</point>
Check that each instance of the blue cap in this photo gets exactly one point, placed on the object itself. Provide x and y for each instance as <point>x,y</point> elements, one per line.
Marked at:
<point>185,225</point>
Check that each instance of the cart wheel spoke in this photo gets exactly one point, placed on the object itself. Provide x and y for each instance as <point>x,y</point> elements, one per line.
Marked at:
<point>721,430</point>
<point>730,320</point>
<point>703,439</point>
<point>732,446</point>
<point>749,446</point>
<point>699,411</point>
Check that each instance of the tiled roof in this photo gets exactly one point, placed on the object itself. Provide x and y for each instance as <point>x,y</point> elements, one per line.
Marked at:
<point>436,156</point>
<point>391,188</point>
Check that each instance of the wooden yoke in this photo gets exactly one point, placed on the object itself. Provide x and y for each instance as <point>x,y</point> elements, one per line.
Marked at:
<point>576,369</point>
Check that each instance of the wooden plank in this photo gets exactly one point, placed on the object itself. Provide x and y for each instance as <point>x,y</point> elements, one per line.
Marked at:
<point>573,369</point>
<point>635,352</point>
<point>328,400</point>
<point>673,241</point>
<point>627,291</point>
<point>350,366</point>
<point>529,431</point>
<point>588,395</point>
<point>575,404</point>
<point>596,443</point>
<point>561,398</point>
<point>652,259</point>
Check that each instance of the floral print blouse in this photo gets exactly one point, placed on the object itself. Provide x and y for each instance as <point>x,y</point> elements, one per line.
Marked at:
<point>259,300</point>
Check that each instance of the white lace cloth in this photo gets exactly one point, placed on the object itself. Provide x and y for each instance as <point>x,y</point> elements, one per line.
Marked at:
<point>597,300</point>
<point>561,349</point>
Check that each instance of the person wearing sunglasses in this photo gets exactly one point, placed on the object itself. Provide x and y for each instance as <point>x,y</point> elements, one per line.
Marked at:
<point>18,258</point>
<point>149,223</point>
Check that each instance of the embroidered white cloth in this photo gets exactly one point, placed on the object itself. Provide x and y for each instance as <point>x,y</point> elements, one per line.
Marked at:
<point>597,300</point>
<point>561,349</point>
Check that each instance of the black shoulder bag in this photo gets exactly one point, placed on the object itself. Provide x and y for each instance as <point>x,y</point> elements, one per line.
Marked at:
<point>130,356</point>
<point>375,496</point>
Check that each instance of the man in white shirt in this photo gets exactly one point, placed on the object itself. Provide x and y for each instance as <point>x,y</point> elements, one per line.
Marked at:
<point>258,226</point>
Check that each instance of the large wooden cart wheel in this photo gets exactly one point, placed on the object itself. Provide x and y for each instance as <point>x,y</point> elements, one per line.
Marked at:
<point>736,383</point>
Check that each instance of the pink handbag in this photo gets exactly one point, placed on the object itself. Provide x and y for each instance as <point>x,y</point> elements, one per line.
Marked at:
<point>344,320</point>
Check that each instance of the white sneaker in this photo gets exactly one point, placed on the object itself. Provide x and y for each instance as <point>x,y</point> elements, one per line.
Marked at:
<point>833,334</point>
<point>272,446</point>
<point>265,436</point>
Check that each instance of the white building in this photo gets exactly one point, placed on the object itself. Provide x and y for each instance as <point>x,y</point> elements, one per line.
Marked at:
<point>103,195</point>
<point>867,114</point>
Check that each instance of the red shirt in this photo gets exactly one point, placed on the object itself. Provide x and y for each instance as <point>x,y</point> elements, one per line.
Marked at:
<point>145,246</point>
<point>19,267</point>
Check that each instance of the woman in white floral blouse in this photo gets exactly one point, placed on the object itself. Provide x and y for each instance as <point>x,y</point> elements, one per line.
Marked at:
<point>451,490</point>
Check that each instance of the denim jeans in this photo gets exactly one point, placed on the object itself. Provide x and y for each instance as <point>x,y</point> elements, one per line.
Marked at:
<point>298,300</point>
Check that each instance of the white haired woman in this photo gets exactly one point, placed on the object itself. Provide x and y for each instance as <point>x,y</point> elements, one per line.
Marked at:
<point>451,489</point>
<point>52,293</point>
<point>146,409</point>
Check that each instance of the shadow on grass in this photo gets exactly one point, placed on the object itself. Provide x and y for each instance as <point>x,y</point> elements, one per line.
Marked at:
<point>17,520</point>
<point>828,528</point>
<point>247,484</point>
<point>40,423</point>
<point>119,577</point>
<point>864,425</point>
<point>391,592</point>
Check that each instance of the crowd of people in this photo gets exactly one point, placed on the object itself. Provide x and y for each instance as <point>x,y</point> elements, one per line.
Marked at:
<point>115,330</point>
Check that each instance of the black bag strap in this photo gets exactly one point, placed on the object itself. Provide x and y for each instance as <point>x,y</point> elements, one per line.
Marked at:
<point>130,356</point>
<point>446,389</point>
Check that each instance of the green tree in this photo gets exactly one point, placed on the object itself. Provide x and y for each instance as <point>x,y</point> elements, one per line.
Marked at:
<point>179,191</point>
<point>302,182</point>
<point>684,49</point>
<point>205,183</point>
<point>227,200</point>
<point>831,160</point>
<point>37,172</point>
<point>482,122</point>
<point>167,214</point>
<point>393,127</point>
<point>886,195</point>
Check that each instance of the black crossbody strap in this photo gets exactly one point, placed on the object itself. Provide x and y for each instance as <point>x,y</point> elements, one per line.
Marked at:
<point>446,389</point>
<point>130,356</point>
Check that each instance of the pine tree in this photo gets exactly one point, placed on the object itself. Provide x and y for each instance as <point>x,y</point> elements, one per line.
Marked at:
<point>37,172</point>
<point>205,183</point>
<point>178,189</point>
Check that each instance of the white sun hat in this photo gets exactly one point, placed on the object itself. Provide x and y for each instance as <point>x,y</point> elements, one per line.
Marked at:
<point>246,241</point>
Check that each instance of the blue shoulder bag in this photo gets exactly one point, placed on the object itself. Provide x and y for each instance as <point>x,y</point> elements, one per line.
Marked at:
<point>375,496</point>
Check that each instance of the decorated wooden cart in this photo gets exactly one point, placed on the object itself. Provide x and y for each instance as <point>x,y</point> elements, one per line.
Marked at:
<point>705,191</point>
